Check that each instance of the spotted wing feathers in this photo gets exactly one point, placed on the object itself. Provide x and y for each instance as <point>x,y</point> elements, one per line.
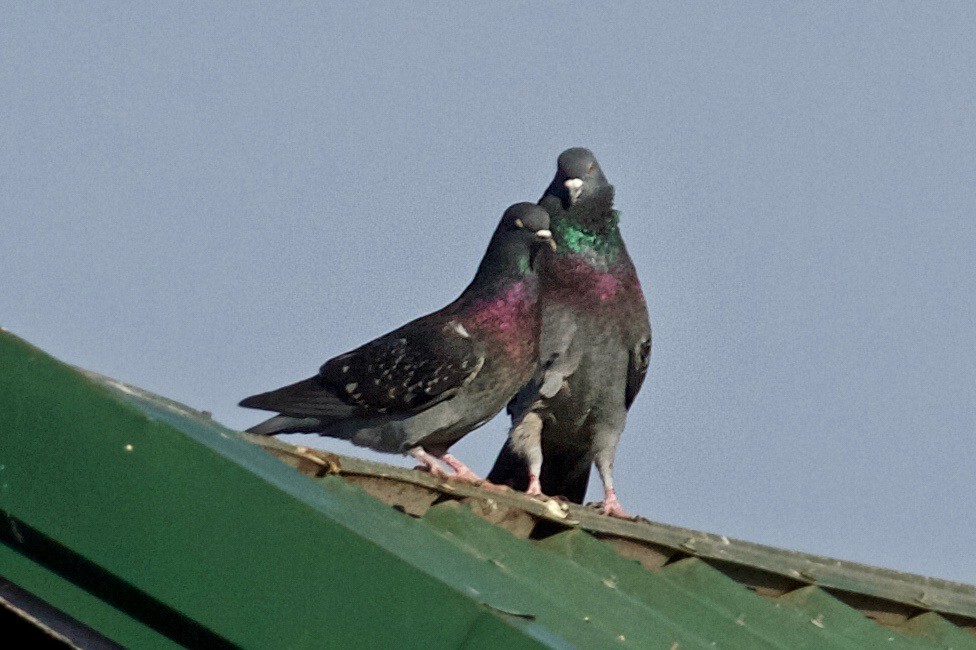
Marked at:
<point>403,372</point>
<point>407,370</point>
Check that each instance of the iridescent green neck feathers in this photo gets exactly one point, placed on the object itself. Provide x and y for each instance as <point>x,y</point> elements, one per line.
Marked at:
<point>573,237</point>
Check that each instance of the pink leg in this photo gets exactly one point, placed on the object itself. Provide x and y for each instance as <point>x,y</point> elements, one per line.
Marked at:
<point>604,465</point>
<point>427,463</point>
<point>535,487</point>
<point>526,440</point>
<point>612,507</point>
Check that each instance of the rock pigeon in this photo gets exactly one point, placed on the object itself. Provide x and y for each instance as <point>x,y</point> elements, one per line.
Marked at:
<point>422,387</point>
<point>594,350</point>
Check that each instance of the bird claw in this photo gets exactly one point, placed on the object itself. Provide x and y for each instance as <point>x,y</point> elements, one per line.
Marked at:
<point>611,507</point>
<point>462,472</point>
<point>433,470</point>
<point>615,511</point>
<point>467,477</point>
<point>493,487</point>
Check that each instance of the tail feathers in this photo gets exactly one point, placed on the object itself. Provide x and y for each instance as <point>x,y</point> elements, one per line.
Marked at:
<point>305,399</point>
<point>564,473</point>
<point>568,475</point>
<point>286,424</point>
<point>510,469</point>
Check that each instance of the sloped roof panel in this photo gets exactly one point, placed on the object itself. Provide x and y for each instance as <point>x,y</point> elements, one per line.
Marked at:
<point>155,526</point>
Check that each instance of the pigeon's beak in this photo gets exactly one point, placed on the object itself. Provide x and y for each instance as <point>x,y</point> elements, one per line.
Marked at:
<point>546,236</point>
<point>575,187</point>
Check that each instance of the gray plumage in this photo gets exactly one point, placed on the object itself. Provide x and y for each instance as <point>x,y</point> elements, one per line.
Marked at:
<point>594,348</point>
<point>423,386</point>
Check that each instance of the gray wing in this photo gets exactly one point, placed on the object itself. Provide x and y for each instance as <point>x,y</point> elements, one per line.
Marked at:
<point>557,361</point>
<point>404,372</point>
<point>638,358</point>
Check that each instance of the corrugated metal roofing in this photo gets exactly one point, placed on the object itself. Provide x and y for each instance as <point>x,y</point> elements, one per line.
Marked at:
<point>153,525</point>
<point>691,578</point>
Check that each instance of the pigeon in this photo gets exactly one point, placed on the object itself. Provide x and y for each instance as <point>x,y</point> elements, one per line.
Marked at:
<point>594,350</point>
<point>422,387</point>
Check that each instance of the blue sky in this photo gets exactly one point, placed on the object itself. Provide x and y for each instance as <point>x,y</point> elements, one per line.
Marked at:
<point>209,202</point>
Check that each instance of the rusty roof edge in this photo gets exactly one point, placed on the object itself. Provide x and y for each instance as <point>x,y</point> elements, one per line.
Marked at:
<point>912,589</point>
<point>924,593</point>
<point>331,463</point>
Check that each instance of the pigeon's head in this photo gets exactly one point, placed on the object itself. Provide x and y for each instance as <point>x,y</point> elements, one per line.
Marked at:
<point>514,250</point>
<point>528,224</point>
<point>578,176</point>
<point>521,234</point>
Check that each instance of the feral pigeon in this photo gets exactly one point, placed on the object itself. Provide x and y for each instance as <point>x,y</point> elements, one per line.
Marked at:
<point>422,387</point>
<point>594,349</point>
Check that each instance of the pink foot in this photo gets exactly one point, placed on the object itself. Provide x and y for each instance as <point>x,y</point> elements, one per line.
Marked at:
<point>428,463</point>
<point>611,506</point>
<point>461,471</point>
<point>433,470</point>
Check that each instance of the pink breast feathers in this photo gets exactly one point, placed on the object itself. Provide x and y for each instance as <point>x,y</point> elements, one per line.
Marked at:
<point>578,280</point>
<point>510,317</point>
<point>606,286</point>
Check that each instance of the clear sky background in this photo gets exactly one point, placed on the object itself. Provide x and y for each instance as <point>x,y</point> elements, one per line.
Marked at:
<point>210,203</point>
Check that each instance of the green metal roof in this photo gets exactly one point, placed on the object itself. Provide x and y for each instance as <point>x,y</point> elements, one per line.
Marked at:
<point>139,521</point>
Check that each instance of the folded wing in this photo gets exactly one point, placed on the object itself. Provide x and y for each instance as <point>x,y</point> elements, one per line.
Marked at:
<point>404,372</point>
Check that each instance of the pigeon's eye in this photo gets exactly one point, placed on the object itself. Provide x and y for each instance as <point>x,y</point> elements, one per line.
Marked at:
<point>591,169</point>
